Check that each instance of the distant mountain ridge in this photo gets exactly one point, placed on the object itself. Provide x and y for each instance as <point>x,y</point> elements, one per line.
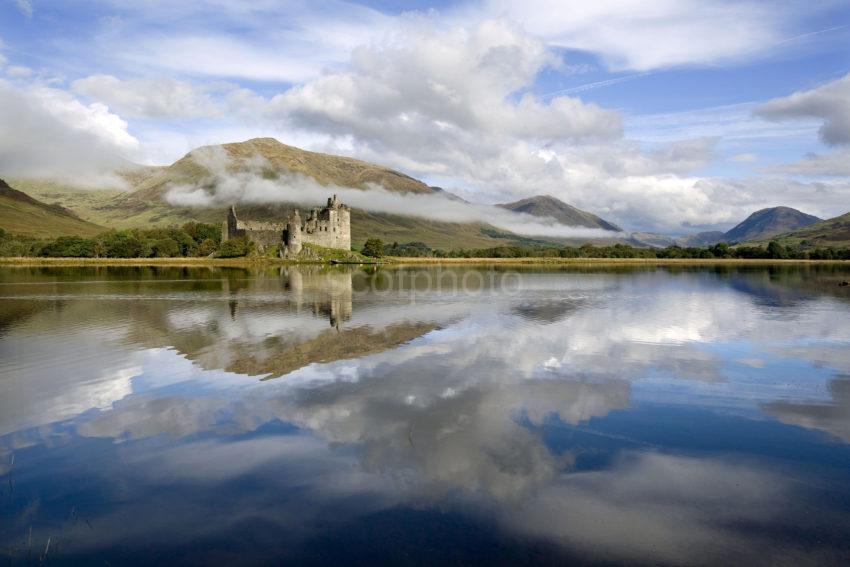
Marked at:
<point>769,222</point>
<point>760,225</point>
<point>548,206</point>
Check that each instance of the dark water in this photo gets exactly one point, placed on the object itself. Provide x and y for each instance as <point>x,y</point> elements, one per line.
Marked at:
<point>469,416</point>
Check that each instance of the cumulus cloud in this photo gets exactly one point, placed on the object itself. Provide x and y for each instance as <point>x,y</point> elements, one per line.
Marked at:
<point>155,98</point>
<point>46,131</point>
<point>435,84</point>
<point>829,102</point>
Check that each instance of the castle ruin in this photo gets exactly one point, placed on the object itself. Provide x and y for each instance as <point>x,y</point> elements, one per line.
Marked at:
<point>329,227</point>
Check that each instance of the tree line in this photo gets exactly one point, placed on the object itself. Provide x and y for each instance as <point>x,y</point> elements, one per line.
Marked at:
<point>191,239</point>
<point>195,239</point>
<point>774,250</point>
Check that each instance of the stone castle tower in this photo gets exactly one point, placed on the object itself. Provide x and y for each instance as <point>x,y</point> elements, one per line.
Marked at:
<point>329,227</point>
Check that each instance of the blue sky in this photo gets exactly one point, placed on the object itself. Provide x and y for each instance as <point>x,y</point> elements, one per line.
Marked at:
<point>655,114</point>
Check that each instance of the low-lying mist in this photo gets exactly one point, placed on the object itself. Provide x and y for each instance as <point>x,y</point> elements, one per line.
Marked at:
<point>246,183</point>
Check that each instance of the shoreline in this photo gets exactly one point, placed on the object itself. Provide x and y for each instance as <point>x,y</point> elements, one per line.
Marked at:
<point>399,261</point>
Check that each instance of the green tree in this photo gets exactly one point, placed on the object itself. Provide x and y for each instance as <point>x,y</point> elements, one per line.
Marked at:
<point>165,248</point>
<point>373,248</point>
<point>775,250</point>
<point>123,244</point>
<point>69,247</point>
<point>206,247</point>
<point>234,248</point>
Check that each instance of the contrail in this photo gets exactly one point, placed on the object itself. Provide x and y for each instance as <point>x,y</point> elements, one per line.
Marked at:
<point>609,82</point>
<point>596,85</point>
<point>801,36</point>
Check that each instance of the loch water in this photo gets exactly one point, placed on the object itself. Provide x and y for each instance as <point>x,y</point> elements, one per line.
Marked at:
<point>425,415</point>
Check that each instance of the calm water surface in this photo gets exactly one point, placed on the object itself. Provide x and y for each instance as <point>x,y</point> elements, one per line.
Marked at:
<point>430,416</point>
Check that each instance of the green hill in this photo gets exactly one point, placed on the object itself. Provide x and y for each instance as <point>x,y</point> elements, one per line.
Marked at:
<point>769,222</point>
<point>22,214</point>
<point>830,233</point>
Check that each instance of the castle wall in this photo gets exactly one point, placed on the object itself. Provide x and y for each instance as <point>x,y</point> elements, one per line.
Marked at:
<point>330,228</point>
<point>261,233</point>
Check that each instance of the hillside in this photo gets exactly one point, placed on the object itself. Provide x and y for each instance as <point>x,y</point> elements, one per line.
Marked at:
<point>769,222</point>
<point>548,206</point>
<point>22,214</point>
<point>327,169</point>
<point>834,232</point>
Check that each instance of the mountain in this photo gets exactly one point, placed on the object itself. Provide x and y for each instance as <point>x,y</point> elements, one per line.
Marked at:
<point>548,206</point>
<point>769,222</point>
<point>327,169</point>
<point>833,232</point>
<point>22,214</point>
<point>143,205</point>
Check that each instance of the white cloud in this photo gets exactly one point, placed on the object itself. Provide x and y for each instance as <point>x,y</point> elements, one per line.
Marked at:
<point>290,42</point>
<point>436,84</point>
<point>46,131</point>
<point>157,98</point>
<point>829,102</point>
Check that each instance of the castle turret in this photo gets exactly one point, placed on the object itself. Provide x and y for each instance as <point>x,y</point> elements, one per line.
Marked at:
<point>293,233</point>
<point>228,227</point>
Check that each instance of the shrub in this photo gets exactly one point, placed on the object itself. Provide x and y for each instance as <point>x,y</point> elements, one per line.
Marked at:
<point>234,248</point>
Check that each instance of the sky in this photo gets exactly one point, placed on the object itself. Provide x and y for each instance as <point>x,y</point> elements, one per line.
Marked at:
<point>669,116</point>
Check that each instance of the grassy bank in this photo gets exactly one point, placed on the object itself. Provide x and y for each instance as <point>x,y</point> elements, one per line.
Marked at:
<point>599,261</point>
<point>243,261</point>
<point>255,261</point>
